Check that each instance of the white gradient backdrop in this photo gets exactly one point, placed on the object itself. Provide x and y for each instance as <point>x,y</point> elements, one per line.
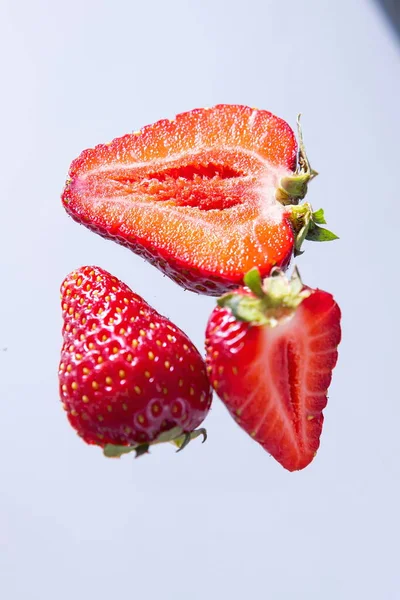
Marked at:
<point>222,520</point>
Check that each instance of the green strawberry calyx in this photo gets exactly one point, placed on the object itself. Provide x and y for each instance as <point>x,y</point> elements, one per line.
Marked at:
<point>306,226</point>
<point>292,189</point>
<point>176,436</point>
<point>273,300</point>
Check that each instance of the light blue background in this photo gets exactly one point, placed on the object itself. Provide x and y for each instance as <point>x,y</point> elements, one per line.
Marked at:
<point>221,520</point>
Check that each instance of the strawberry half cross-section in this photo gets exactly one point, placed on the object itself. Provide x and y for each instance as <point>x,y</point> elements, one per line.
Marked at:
<point>271,349</point>
<point>204,197</point>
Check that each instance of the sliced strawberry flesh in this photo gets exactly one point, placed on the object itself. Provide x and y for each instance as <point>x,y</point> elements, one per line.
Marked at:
<point>224,126</point>
<point>234,222</point>
<point>279,397</point>
<point>210,180</point>
<point>199,190</point>
<point>302,378</point>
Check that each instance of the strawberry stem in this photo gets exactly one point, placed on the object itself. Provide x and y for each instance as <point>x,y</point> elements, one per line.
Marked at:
<point>293,188</point>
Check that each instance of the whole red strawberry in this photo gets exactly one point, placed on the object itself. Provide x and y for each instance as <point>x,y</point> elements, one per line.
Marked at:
<point>271,348</point>
<point>204,197</point>
<point>128,377</point>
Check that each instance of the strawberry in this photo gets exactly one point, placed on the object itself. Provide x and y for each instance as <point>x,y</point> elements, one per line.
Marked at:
<point>204,197</point>
<point>271,348</point>
<point>128,376</point>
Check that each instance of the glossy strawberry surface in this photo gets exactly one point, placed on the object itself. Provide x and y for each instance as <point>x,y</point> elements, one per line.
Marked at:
<point>127,374</point>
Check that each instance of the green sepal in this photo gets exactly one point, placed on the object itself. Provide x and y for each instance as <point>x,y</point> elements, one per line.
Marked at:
<point>278,297</point>
<point>296,283</point>
<point>247,308</point>
<point>300,237</point>
<point>169,436</point>
<point>141,450</point>
<point>182,441</point>
<point>304,222</point>
<point>113,451</point>
<point>244,308</point>
<point>174,435</point>
<point>319,217</point>
<point>320,234</point>
<point>253,281</point>
<point>293,187</point>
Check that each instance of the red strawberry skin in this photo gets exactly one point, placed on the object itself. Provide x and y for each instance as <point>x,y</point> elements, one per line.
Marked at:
<point>194,196</point>
<point>274,380</point>
<point>126,373</point>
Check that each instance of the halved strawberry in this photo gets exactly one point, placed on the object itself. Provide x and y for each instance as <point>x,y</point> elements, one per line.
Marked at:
<point>271,348</point>
<point>204,197</point>
<point>128,376</point>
